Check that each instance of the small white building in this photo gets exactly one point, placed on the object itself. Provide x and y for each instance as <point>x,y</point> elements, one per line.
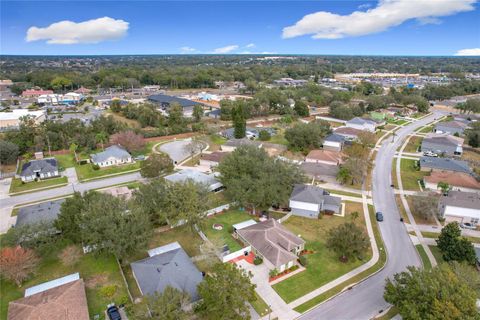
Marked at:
<point>112,156</point>
<point>50,99</point>
<point>11,120</point>
<point>463,207</point>
<point>362,124</point>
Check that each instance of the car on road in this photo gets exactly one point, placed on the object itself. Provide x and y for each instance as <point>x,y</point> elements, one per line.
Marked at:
<point>468,225</point>
<point>379,216</point>
<point>430,154</point>
<point>113,313</point>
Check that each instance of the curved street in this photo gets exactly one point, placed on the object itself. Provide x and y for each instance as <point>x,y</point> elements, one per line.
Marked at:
<point>365,301</point>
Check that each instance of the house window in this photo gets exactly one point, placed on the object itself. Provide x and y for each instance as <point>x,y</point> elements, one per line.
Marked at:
<point>475,221</point>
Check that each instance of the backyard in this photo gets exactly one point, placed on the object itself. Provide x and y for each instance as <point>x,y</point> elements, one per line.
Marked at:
<point>323,265</point>
<point>18,185</point>
<point>96,271</point>
<point>411,173</point>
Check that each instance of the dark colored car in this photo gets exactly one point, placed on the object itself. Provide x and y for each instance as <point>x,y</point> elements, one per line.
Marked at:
<point>379,216</point>
<point>113,313</point>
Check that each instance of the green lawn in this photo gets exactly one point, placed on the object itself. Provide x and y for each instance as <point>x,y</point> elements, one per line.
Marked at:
<point>344,193</point>
<point>86,171</point>
<point>260,306</point>
<point>426,129</point>
<point>18,186</point>
<point>65,160</point>
<point>323,265</point>
<point>437,254</point>
<point>96,271</point>
<point>413,144</point>
<point>222,237</point>
<point>435,235</point>
<point>339,288</point>
<point>279,138</point>
<point>217,139</point>
<point>423,255</point>
<point>411,174</point>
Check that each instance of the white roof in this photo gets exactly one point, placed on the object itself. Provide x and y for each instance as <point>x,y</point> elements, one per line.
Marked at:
<point>163,249</point>
<point>244,224</point>
<point>52,284</point>
<point>18,113</point>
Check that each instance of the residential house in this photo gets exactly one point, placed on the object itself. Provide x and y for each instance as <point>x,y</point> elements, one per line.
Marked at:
<point>44,212</point>
<point>466,117</point>
<point>215,114</point>
<point>334,142</point>
<point>39,169</point>
<point>250,133</point>
<point>309,201</point>
<point>457,181</point>
<point>463,207</point>
<point>212,159</point>
<point>32,93</point>
<point>208,180</point>
<point>168,265</point>
<point>111,156</point>
<point>451,127</point>
<point>444,164</point>
<point>11,119</point>
<point>289,82</point>
<point>350,134</point>
<point>362,124</point>
<point>442,144</point>
<point>334,158</point>
<point>60,299</point>
<point>164,102</point>
<point>320,171</point>
<point>233,144</point>
<point>273,242</point>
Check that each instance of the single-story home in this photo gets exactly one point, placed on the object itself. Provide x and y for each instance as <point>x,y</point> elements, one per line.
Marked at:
<point>42,212</point>
<point>333,142</point>
<point>320,171</point>
<point>463,207</point>
<point>233,144</point>
<point>212,159</point>
<point>350,134</point>
<point>39,169</point>
<point>270,240</point>
<point>63,299</point>
<point>457,181</point>
<point>308,201</point>
<point>443,144</point>
<point>168,265</point>
<point>362,124</point>
<point>444,164</point>
<point>451,127</point>
<point>164,102</point>
<point>333,158</point>
<point>208,180</point>
<point>466,118</point>
<point>250,133</point>
<point>112,156</point>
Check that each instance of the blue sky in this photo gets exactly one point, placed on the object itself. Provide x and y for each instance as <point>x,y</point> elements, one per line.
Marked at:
<point>283,27</point>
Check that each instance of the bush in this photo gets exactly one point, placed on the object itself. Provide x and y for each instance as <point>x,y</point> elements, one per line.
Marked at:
<point>303,260</point>
<point>108,291</point>
<point>95,167</point>
<point>257,261</point>
<point>273,273</point>
<point>264,135</point>
<point>70,255</point>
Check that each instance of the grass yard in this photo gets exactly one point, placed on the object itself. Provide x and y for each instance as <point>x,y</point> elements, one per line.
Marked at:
<point>413,144</point>
<point>470,155</point>
<point>86,171</point>
<point>222,237</point>
<point>129,122</point>
<point>426,129</point>
<point>279,138</point>
<point>417,215</point>
<point>423,255</point>
<point>411,174</point>
<point>323,265</point>
<point>65,160</point>
<point>260,306</point>
<point>18,186</point>
<point>401,208</point>
<point>437,254</point>
<point>96,271</point>
<point>344,193</point>
<point>217,139</point>
<point>435,235</point>
<point>217,199</point>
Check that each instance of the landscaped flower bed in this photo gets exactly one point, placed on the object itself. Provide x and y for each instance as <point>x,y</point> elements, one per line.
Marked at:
<point>285,272</point>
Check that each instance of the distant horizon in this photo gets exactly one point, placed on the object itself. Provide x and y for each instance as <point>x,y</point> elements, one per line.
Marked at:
<point>241,54</point>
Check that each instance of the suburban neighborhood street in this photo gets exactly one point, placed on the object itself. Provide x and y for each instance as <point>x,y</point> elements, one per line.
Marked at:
<point>365,300</point>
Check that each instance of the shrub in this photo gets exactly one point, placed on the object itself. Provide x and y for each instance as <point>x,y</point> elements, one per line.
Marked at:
<point>264,135</point>
<point>303,261</point>
<point>257,261</point>
<point>108,291</point>
<point>70,255</point>
<point>95,167</point>
<point>273,273</point>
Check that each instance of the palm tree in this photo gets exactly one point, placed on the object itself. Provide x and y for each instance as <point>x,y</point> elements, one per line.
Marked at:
<point>101,138</point>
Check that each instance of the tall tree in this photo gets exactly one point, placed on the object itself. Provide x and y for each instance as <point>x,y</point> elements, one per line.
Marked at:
<point>8,152</point>
<point>197,113</point>
<point>239,122</point>
<point>171,304</point>
<point>348,240</point>
<point>225,292</point>
<point>453,246</point>
<point>151,199</point>
<point>129,140</point>
<point>155,165</point>
<point>70,216</point>
<point>431,294</point>
<point>307,136</point>
<point>17,263</point>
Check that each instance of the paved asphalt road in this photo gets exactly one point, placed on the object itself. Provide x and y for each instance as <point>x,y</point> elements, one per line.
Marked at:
<point>365,300</point>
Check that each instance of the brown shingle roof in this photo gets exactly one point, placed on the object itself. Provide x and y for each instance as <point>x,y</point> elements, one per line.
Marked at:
<point>272,240</point>
<point>348,131</point>
<point>214,156</point>
<point>65,302</point>
<point>325,155</point>
<point>455,179</point>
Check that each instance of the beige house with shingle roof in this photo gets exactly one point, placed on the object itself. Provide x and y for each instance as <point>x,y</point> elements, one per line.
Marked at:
<point>272,241</point>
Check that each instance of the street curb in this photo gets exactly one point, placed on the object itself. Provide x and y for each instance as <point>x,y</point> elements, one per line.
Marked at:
<point>37,189</point>
<point>109,175</point>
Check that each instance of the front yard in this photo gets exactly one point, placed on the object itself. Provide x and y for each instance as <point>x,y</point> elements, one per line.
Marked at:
<point>323,265</point>
<point>413,144</point>
<point>86,171</point>
<point>18,185</point>
<point>96,271</point>
<point>411,174</point>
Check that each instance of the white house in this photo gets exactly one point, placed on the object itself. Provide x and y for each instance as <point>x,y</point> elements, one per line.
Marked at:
<point>362,124</point>
<point>52,99</point>
<point>39,169</point>
<point>463,207</point>
<point>333,142</point>
<point>112,156</point>
<point>308,201</point>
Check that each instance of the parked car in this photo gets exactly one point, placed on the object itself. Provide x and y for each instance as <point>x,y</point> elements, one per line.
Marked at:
<point>113,313</point>
<point>379,216</point>
<point>430,154</point>
<point>468,225</point>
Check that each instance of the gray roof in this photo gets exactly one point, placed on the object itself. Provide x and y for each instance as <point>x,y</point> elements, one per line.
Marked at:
<point>446,164</point>
<point>361,121</point>
<point>164,99</point>
<point>114,151</point>
<point>318,170</point>
<point>335,137</point>
<point>208,180</point>
<point>40,166</point>
<point>313,194</point>
<point>42,212</point>
<point>241,142</point>
<point>229,133</point>
<point>470,200</point>
<point>171,268</point>
<point>442,139</point>
<point>451,125</point>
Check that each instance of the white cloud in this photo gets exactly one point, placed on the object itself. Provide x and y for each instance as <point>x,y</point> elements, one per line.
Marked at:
<point>468,52</point>
<point>226,49</point>
<point>364,6</point>
<point>388,13</point>
<point>250,45</point>
<point>69,32</point>
<point>187,49</point>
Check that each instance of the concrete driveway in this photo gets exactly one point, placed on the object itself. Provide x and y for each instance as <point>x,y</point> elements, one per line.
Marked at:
<point>71,175</point>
